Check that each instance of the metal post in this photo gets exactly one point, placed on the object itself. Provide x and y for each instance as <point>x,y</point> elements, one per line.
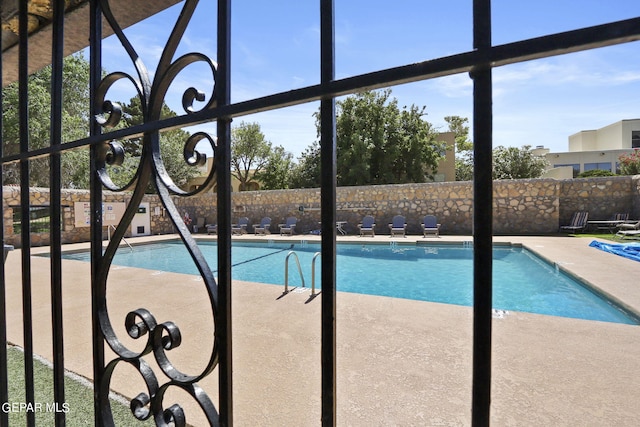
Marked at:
<point>482,219</point>
<point>25,237</point>
<point>328,215</point>
<point>223,165</point>
<point>57,56</point>
<point>95,63</point>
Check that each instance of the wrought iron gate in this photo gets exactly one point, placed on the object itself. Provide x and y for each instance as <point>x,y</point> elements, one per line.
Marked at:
<point>162,337</point>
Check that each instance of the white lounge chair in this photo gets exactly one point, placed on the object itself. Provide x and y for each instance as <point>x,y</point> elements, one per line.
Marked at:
<point>627,230</point>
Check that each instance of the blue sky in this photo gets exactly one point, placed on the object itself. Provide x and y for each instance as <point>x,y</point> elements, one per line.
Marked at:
<point>275,48</point>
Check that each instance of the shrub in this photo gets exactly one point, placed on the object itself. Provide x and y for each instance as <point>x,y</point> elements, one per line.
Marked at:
<point>595,172</point>
<point>630,163</point>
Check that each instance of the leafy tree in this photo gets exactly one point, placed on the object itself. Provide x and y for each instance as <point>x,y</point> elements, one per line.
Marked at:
<point>517,163</point>
<point>458,125</point>
<point>306,173</point>
<point>630,163</point>
<point>464,147</point>
<point>249,153</point>
<point>171,147</point>
<point>377,143</point>
<point>277,172</point>
<point>75,123</point>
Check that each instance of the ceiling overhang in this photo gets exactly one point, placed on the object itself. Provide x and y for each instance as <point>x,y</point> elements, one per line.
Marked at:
<point>76,29</point>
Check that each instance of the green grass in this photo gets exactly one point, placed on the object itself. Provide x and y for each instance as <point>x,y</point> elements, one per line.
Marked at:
<point>78,396</point>
<point>606,236</point>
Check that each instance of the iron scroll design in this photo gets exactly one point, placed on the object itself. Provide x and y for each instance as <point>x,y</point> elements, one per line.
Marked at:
<point>140,324</point>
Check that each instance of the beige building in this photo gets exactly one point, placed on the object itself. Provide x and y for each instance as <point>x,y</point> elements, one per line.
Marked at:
<point>594,149</point>
<point>447,166</point>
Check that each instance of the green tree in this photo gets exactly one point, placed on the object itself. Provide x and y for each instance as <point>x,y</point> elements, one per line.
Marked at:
<point>277,172</point>
<point>249,153</point>
<point>517,163</point>
<point>75,123</point>
<point>464,147</point>
<point>458,125</point>
<point>630,163</point>
<point>171,148</point>
<point>306,173</point>
<point>377,143</point>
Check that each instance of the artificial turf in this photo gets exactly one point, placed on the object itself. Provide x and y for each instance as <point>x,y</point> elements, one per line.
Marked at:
<point>78,405</point>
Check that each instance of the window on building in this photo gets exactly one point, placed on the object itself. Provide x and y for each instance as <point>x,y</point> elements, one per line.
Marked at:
<point>575,166</point>
<point>39,219</point>
<point>604,166</point>
<point>635,139</point>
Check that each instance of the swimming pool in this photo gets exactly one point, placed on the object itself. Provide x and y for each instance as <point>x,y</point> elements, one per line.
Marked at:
<point>522,281</point>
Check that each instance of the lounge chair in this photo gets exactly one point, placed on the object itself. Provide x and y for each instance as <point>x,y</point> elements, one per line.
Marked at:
<point>289,227</point>
<point>430,226</point>
<point>631,234</point>
<point>629,226</point>
<point>241,227</point>
<point>212,228</point>
<point>628,230</point>
<point>398,226</point>
<point>367,226</point>
<point>578,222</point>
<point>264,227</point>
<point>621,217</point>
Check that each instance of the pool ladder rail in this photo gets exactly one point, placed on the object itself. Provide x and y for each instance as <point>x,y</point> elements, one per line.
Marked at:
<point>313,273</point>
<point>109,228</point>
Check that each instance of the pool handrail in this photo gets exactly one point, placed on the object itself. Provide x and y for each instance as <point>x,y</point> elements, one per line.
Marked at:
<point>286,270</point>
<point>313,274</point>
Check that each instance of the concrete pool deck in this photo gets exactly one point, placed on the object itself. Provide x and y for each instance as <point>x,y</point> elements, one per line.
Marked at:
<point>400,362</point>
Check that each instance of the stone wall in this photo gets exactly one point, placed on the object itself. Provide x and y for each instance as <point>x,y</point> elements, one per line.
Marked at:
<point>601,197</point>
<point>530,206</point>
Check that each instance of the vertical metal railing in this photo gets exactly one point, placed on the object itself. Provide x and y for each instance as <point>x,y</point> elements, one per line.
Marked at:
<point>328,214</point>
<point>25,235</point>
<point>482,215</point>
<point>95,64</point>
<point>57,56</point>
<point>223,167</point>
<point>4,374</point>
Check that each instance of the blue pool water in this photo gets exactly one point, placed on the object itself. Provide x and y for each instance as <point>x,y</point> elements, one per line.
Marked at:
<point>522,282</point>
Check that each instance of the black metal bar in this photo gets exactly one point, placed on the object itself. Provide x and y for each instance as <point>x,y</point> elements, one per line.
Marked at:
<point>56,214</point>
<point>95,64</point>
<point>328,215</point>
<point>482,218</point>
<point>512,53</point>
<point>23,107</point>
<point>4,383</point>
<point>223,167</point>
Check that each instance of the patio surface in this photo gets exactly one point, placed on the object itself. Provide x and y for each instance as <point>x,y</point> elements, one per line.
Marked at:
<point>400,362</point>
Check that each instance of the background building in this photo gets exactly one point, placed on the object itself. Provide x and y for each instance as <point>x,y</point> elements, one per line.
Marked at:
<point>594,149</point>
